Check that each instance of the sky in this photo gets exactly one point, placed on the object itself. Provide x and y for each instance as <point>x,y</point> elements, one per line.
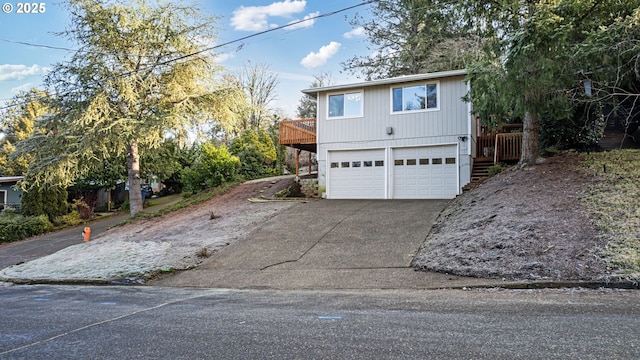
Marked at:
<point>295,53</point>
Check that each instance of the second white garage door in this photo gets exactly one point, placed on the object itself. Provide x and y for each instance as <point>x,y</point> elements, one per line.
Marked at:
<point>429,172</point>
<point>356,174</point>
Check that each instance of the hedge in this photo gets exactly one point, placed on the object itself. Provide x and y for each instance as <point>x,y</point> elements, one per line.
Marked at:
<point>18,227</point>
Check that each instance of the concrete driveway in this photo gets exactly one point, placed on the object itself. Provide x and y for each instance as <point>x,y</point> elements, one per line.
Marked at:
<point>328,244</point>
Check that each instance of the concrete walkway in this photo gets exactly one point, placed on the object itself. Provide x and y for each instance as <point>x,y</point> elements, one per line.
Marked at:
<point>329,244</point>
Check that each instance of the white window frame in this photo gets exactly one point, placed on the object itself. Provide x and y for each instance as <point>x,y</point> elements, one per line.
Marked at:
<point>345,93</point>
<point>426,109</point>
<point>4,197</point>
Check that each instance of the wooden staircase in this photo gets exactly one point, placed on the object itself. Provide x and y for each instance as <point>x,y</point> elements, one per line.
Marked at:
<point>480,172</point>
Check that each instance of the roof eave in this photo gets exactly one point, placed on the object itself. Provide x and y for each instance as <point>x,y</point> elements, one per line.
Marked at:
<point>313,92</point>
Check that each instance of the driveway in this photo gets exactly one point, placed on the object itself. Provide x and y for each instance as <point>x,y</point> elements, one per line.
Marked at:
<point>328,244</point>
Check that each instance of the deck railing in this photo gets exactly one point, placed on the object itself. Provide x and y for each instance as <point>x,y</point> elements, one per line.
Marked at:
<point>297,131</point>
<point>485,146</point>
<point>508,147</point>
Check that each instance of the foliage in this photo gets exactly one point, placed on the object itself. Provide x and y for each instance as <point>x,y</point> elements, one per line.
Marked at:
<point>257,154</point>
<point>213,166</point>
<point>84,211</point>
<point>19,123</point>
<point>71,219</point>
<point>18,227</point>
<point>495,169</point>
<point>411,37</point>
<point>583,129</point>
<point>613,203</point>
<point>537,69</point>
<point>50,201</point>
<point>139,73</point>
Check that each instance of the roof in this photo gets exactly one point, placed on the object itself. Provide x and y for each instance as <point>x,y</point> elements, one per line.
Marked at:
<point>400,79</point>
<point>7,179</point>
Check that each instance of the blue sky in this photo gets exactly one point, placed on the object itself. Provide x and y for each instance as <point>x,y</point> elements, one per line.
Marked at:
<point>294,53</point>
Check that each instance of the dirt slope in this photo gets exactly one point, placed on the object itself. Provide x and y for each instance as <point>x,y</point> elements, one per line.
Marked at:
<point>524,224</point>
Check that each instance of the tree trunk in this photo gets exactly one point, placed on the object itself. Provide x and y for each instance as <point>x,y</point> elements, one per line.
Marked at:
<point>530,139</point>
<point>133,170</point>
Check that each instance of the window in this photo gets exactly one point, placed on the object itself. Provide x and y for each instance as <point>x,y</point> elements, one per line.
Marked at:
<point>345,105</point>
<point>414,98</point>
<point>411,161</point>
<point>344,164</point>
<point>379,162</point>
<point>367,163</point>
<point>436,161</point>
<point>334,165</point>
<point>450,161</point>
<point>424,161</point>
<point>355,164</point>
<point>398,162</point>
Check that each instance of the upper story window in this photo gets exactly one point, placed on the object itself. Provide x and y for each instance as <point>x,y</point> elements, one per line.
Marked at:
<point>415,97</point>
<point>345,105</point>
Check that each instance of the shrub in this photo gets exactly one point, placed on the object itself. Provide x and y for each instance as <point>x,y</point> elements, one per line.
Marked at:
<point>213,166</point>
<point>495,170</point>
<point>84,211</point>
<point>73,218</point>
<point>18,227</point>
<point>51,202</point>
<point>257,154</point>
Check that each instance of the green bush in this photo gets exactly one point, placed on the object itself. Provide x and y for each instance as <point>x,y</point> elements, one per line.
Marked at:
<point>73,218</point>
<point>257,154</point>
<point>213,166</point>
<point>51,202</point>
<point>18,227</point>
<point>495,170</point>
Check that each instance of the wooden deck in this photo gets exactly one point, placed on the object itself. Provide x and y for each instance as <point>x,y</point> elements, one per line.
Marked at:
<point>501,146</point>
<point>299,134</point>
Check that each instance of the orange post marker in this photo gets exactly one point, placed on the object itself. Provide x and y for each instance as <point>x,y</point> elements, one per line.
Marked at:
<point>86,233</point>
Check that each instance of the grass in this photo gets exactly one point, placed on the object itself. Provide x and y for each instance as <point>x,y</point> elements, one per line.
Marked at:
<point>613,203</point>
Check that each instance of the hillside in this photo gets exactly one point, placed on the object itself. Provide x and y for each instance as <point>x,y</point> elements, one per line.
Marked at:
<point>543,222</point>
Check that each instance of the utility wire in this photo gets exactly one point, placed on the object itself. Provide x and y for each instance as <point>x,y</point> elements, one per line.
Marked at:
<point>162,63</point>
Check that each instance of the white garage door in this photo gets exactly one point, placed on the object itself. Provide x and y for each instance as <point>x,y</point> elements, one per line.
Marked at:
<point>356,174</point>
<point>425,172</point>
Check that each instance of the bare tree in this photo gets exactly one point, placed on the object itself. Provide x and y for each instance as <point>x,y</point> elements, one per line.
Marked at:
<point>259,84</point>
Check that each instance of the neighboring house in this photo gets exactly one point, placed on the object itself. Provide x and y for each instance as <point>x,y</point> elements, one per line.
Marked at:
<point>9,196</point>
<point>401,138</point>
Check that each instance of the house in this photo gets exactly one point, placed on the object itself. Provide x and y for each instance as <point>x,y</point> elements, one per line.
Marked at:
<point>9,196</point>
<point>409,137</point>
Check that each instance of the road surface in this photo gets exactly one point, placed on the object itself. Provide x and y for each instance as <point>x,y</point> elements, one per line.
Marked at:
<point>72,322</point>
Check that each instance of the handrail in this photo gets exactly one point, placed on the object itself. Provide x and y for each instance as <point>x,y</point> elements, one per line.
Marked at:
<point>508,147</point>
<point>302,131</point>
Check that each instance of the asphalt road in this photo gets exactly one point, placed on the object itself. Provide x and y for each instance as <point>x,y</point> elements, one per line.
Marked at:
<point>72,322</point>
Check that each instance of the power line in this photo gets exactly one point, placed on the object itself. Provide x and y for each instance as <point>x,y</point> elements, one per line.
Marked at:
<point>182,57</point>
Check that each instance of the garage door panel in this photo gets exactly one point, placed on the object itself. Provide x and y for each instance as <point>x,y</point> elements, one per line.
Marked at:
<point>356,174</point>
<point>432,175</point>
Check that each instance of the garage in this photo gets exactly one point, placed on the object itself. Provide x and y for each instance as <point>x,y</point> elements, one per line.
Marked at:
<point>429,172</point>
<point>425,172</point>
<point>356,174</point>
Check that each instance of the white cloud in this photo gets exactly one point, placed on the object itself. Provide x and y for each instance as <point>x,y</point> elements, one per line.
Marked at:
<point>320,58</point>
<point>220,58</point>
<point>20,72</point>
<point>357,32</point>
<point>23,87</point>
<point>255,18</point>
<point>307,22</point>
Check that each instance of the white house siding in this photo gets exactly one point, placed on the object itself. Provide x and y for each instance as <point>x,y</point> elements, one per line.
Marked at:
<point>449,125</point>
